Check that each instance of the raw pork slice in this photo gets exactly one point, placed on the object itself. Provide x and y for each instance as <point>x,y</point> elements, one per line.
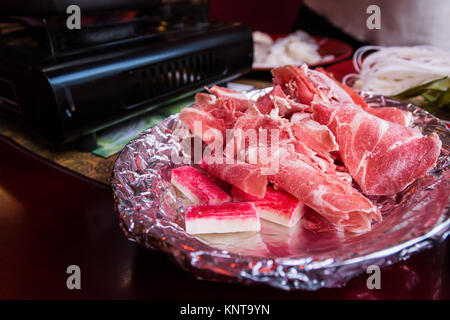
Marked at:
<point>355,97</point>
<point>222,218</point>
<point>319,160</point>
<point>197,187</point>
<point>202,98</point>
<point>246,177</point>
<point>305,85</point>
<point>210,120</point>
<point>391,114</point>
<point>203,124</point>
<point>242,102</point>
<point>225,109</point>
<point>254,129</point>
<point>276,206</point>
<point>381,156</point>
<point>316,136</point>
<point>300,116</point>
<point>333,199</point>
<point>265,103</point>
<point>294,83</point>
<point>225,92</point>
<point>276,98</point>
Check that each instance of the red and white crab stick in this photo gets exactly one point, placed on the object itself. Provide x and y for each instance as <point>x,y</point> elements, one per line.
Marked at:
<point>197,187</point>
<point>222,218</point>
<point>276,206</point>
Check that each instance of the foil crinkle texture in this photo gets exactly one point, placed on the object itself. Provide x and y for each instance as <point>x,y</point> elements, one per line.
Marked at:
<point>151,213</point>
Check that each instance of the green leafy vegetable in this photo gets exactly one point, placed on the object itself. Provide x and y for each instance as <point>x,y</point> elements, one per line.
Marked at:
<point>433,96</point>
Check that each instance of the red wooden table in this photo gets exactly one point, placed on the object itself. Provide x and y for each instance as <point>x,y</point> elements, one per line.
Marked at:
<point>50,219</point>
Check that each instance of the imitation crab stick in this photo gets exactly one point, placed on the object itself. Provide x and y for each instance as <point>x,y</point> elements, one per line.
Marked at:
<point>197,187</point>
<point>222,218</point>
<point>276,206</point>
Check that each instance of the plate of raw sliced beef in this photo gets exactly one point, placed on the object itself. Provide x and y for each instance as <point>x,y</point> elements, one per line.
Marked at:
<point>302,185</point>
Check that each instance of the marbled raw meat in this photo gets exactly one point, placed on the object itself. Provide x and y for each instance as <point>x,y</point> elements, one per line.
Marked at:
<point>307,85</point>
<point>203,124</point>
<point>202,98</point>
<point>319,160</point>
<point>225,92</point>
<point>333,199</point>
<point>381,156</point>
<point>211,119</point>
<point>254,129</point>
<point>277,99</point>
<point>355,97</point>
<point>242,102</point>
<point>294,83</point>
<point>316,136</point>
<point>391,114</point>
<point>224,109</point>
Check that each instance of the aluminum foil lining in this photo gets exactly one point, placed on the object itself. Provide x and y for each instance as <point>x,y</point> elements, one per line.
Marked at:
<point>308,256</point>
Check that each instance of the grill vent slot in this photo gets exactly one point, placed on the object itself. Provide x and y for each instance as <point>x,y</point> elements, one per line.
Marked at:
<point>171,75</point>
